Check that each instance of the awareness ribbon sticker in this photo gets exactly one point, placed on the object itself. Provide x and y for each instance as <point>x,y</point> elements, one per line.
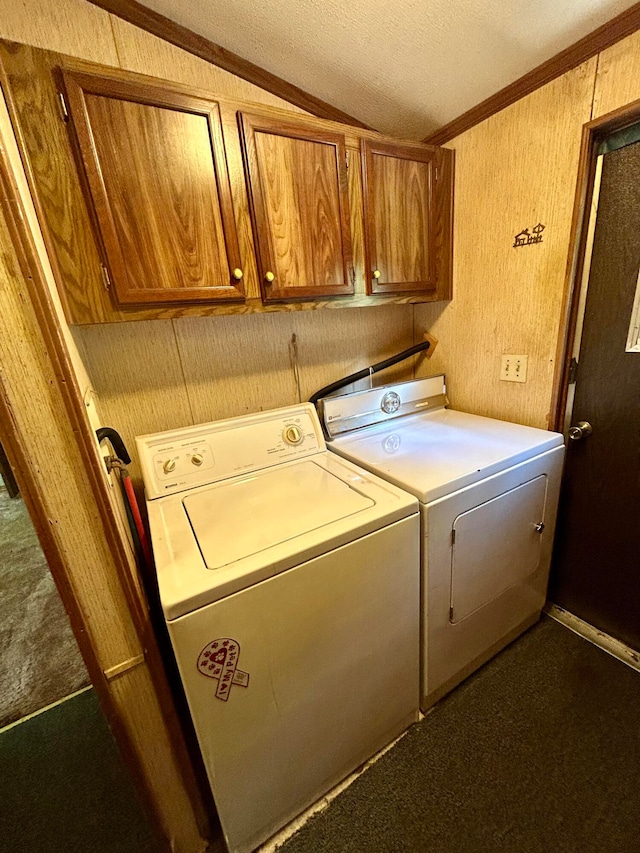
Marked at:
<point>219,660</point>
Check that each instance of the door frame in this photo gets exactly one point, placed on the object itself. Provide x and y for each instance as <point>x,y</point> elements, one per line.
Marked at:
<point>593,132</point>
<point>180,831</point>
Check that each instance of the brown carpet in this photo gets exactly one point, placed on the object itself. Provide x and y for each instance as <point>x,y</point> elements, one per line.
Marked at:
<point>39,658</point>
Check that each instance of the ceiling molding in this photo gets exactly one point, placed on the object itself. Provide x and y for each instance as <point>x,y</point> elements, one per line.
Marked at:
<point>606,35</point>
<point>158,25</point>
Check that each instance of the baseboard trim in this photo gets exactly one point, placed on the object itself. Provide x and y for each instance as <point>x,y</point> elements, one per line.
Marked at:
<point>46,708</point>
<point>605,642</point>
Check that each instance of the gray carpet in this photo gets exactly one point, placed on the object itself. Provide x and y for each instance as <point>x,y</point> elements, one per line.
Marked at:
<point>39,658</point>
<point>538,751</point>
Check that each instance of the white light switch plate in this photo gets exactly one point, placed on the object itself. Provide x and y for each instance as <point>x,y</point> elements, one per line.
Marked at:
<point>513,368</point>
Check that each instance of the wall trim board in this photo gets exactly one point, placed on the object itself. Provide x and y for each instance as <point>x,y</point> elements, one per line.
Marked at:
<point>613,31</point>
<point>168,30</point>
<point>595,636</point>
<point>592,134</point>
<point>68,421</point>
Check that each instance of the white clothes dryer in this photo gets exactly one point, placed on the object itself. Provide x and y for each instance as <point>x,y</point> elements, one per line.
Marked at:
<point>488,493</point>
<point>289,580</point>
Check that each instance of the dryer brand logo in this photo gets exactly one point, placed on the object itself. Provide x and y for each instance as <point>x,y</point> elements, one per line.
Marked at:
<point>219,660</point>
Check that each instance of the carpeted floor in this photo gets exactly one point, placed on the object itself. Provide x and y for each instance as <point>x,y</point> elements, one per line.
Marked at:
<point>39,658</point>
<point>64,789</point>
<point>538,752</point>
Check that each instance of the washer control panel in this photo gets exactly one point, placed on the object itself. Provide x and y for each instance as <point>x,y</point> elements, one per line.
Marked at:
<point>179,460</point>
<point>196,456</point>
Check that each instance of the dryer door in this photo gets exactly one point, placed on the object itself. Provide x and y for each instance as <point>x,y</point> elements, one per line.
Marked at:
<point>496,545</point>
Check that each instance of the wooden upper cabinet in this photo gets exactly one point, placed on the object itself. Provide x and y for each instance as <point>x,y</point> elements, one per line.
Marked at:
<point>156,170</point>
<point>297,182</point>
<point>408,196</point>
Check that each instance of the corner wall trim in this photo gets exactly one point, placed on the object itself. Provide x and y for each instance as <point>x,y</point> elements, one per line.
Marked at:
<point>182,37</point>
<point>613,31</point>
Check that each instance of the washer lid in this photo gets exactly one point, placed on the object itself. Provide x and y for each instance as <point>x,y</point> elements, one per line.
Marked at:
<point>436,453</point>
<point>279,504</point>
<point>290,518</point>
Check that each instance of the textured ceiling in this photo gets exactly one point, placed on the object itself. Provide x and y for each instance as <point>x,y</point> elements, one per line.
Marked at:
<point>405,67</point>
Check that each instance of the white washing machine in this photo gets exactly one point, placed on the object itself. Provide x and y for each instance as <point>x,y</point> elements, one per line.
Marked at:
<point>289,580</point>
<point>488,493</point>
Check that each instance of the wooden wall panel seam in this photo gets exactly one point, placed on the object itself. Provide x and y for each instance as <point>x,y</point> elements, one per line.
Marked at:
<point>182,371</point>
<point>595,87</point>
<point>115,40</point>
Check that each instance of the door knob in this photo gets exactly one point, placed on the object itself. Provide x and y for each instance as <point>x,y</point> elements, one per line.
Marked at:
<point>581,430</point>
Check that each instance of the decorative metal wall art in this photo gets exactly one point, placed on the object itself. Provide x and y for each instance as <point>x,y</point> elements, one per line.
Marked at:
<point>526,237</point>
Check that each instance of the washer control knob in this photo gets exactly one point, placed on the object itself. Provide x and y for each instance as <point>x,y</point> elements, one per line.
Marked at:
<point>197,459</point>
<point>168,466</point>
<point>293,435</point>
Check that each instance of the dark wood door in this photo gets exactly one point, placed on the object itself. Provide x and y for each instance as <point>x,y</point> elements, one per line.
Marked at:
<point>297,181</point>
<point>596,564</point>
<point>157,174</point>
<point>408,197</point>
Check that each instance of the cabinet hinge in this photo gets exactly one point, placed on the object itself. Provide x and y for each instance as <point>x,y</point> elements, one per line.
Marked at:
<point>437,173</point>
<point>573,371</point>
<point>62,104</point>
<point>106,279</point>
<point>346,159</point>
<point>353,276</point>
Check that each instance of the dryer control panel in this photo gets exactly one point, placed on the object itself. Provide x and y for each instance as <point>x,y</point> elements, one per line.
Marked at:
<point>208,453</point>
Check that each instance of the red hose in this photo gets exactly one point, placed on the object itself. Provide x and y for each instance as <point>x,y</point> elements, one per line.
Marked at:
<point>137,519</point>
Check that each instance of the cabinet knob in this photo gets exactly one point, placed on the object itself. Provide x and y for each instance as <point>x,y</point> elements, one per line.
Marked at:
<point>376,273</point>
<point>269,276</point>
<point>237,274</point>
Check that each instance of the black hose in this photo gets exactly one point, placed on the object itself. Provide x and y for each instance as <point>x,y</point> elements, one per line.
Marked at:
<point>367,371</point>
<point>116,442</point>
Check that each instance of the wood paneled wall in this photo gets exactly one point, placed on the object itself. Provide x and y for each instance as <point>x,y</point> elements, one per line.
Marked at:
<point>618,81</point>
<point>514,170</point>
<point>164,374</point>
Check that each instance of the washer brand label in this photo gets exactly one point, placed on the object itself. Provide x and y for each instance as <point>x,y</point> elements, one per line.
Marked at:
<point>219,660</point>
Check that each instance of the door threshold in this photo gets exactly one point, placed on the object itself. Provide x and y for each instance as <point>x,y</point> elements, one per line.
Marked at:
<point>608,644</point>
<point>46,708</point>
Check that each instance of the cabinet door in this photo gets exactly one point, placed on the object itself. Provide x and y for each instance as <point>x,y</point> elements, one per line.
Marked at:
<point>156,170</point>
<point>297,180</point>
<point>407,218</point>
